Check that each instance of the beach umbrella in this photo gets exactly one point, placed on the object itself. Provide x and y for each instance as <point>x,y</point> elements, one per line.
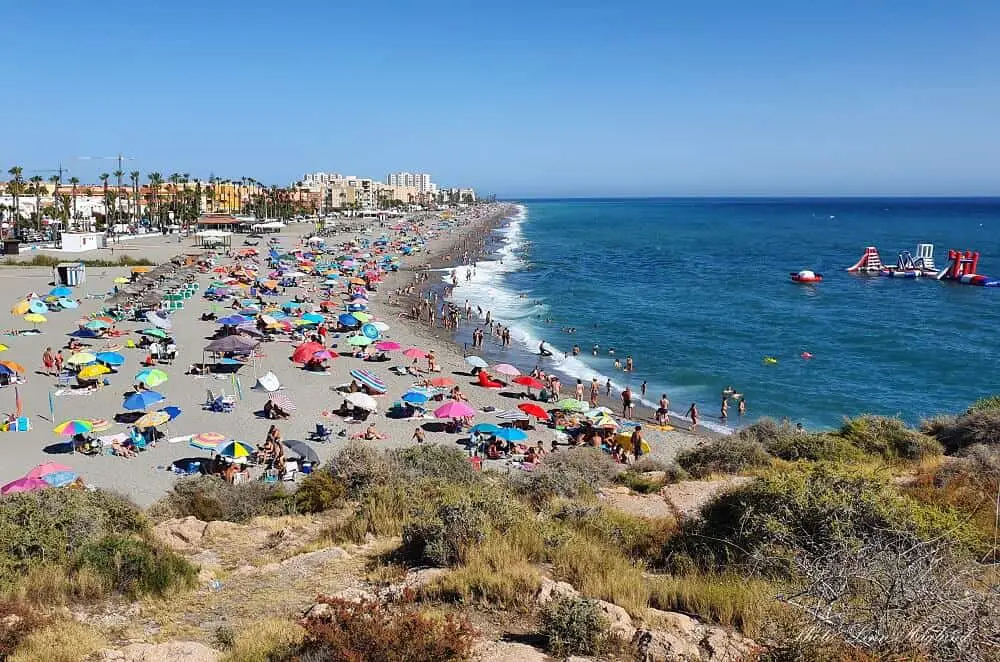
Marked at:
<point>324,354</point>
<point>302,449</point>
<point>100,424</point>
<point>3,347</point>
<point>454,409</point>
<point>507,369</point>
<point>476,362</point>
<point>597,412</point>
<point>35,318</point>
<point>38,306</point>
<point>572,404</point>
<point>232,320</point>
<point>96,325</point>
<point>207,441</point>
<point>306,351</point>
<point>142,400</point>
<point>484,428</point>
<point>152,419</point>
<point>388,346</point>
<point>21,307</point>
<point>359,341</point>
<point>61,291</point>
<point>93,371</point>
<point>371,331</point>
<point>442,382</point>
<point>24,485</point>
<point>531,409</point>
<point>237,450</point>
<point>414,353</point>
<point>314,318</point>
<point>369,379</point>
<point>348,320</point>
<point>47,468</point>
<point>283,401</point>
<point>234,344</point>
<point>158,321</point>
<point>60,478</point>
<point>81,358</point>
<point>511,434</point>
<point>156,333</point>
<point>361,317</point>
<point>381,326</point>
<point>68,303</point>
<point>605,421</point>
<point>73,427</point>
<point>151,377</point>
<point>13,367</point>
<point>172,411</point>
<point>414,398</point>
<point>529,381</point>
<point>4,370</point>
<point>110,358</point>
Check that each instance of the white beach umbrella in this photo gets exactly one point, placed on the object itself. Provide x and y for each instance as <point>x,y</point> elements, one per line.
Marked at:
<point>362,400</point>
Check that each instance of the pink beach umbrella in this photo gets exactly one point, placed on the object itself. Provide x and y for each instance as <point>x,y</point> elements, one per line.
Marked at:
<point>24,485</point>
<point>414,353</point>
<point>43,470</point>
<point>454,409</point>
<point>507,369</point>
<point>388,346</point>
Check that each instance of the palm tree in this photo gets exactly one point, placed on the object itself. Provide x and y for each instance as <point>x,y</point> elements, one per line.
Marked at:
<point>15,190</point>
<point>74,181</point>
<point>107,204</point>
<point>134,176</point>
<point>155,180</point>
<point>36,185</point>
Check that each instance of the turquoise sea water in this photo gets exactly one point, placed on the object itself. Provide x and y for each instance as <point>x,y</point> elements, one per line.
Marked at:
<point>698,292</point>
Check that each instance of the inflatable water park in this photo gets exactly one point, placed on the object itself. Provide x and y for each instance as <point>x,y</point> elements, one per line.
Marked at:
<point>960,268</point>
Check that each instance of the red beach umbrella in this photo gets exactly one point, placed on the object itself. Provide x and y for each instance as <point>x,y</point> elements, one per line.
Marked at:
<point>306,351</point>
<point>529,381</point>
<point>442,382</point>
<point>414,353</point>
<point>531,409</point>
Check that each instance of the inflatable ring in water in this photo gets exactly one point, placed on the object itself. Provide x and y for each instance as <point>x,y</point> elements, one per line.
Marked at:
<point>770,360</point>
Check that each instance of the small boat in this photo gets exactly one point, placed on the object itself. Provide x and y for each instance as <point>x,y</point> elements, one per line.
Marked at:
<point>806,276</point>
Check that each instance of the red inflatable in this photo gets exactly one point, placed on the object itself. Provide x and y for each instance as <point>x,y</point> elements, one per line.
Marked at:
<point>806,276</point>
<point>486,382</point>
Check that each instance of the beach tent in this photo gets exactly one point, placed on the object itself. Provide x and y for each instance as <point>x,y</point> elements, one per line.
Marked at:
<point>267,382</point>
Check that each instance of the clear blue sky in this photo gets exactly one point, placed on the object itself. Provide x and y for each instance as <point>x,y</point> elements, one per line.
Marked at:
<point>518,98</point>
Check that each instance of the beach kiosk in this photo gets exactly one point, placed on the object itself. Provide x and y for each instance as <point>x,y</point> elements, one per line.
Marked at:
<point>79,242</point>
<point>70,273</point>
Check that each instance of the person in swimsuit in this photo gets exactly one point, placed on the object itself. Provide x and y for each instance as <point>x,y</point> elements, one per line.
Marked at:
<point>662,415</point>
<point>741,408</point>
<point>627,402</point>
<point>724,412</point>
<point>693,413</point>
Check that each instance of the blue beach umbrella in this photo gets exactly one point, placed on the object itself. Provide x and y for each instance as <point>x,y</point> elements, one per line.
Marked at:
<point>110,358</point>
<point>142,400</point>
<point>371,331</point>
<point>4,370</point>
<point>314,318</point>
<point>349,320</point>
<point>414,398</point>
<point>68,303</point>
<point>232,320</point>
<point>38,306</point>
<point>511,434</point>
<point>172,411</point>
<point>484,428</point>
<point>60,291</point>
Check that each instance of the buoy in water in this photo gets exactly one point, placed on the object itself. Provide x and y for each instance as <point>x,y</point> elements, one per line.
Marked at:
<point>770,360</point>
<point>806,355</point>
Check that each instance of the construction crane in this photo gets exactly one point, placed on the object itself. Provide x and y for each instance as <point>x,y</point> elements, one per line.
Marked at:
<point>120,158</point>
<point>59,171</point>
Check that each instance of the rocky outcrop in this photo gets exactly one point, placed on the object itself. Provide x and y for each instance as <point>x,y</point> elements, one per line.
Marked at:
<point>552,590</point>
<point>171,651</point>
<point>673,637</point>
<point>412,583</point>
<point>619,622</point>
<point>181,535</point>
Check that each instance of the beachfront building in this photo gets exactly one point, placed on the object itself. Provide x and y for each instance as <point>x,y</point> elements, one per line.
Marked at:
<point>421,181</point>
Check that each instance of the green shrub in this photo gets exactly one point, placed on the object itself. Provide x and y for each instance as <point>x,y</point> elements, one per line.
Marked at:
<point>415,463</point>
<point>49,526</point>
<point>42,260</point>
<point>210,499</point>
<point>360,466</point>
<point>17,621</point>
<point>979,426</point>
<point>727,455</point>
<point>317,492</point>
<point>380,511</point>
<point>636,537</point>
<point>988,403</point>
<point>371,632</point>
<point>575,627</point>
<point>569,474</point>
<point>807,509</point>
<point>888,438</point>
<point>133,567</point>
<point>640,483</point>
<point>784,441</point>
<point>729,600</point>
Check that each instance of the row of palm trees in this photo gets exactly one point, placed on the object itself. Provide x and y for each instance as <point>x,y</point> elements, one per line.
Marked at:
<point>174,199</point>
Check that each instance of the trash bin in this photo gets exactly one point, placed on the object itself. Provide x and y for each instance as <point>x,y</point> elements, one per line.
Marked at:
<point>11,247</point>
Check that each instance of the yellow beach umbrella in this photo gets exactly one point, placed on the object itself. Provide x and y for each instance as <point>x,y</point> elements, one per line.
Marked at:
<point>121,280</point>
<point>21,307</point>
<point>81,358</point>
<point>3,347</point>
<point>93,371</point>
<point>152,419</point>
<point>35,318</point>
<point>16,367</point>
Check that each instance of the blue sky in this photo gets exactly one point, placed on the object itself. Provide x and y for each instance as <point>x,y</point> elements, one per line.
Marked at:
<point>517,98</point>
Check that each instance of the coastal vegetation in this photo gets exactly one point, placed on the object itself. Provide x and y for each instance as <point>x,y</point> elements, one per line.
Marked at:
<point>872,541</point>
<point>51,261</point>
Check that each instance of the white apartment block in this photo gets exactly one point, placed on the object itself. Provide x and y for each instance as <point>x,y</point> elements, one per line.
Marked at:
<point>420,180</point>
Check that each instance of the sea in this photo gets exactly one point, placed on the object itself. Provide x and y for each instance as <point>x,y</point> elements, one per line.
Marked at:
<point>698,293</point>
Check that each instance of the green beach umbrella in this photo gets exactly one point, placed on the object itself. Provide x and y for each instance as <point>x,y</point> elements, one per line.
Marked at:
<point>359,341</point>
<point>157,333</point>
<point>572,404</point>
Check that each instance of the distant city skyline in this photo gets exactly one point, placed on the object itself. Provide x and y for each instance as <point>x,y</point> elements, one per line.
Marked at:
<point>525,100</point>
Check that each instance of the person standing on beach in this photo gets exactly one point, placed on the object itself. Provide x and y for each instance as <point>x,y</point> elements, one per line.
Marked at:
<point>579,389</point>
<point>607,388</point>
<point>594,391</point>
<point>48,361</point>
<point>637,442</point>
<point>693,413</point>
<point>59,358</point>
<point>627,402</point>
<point>642,389</point>
<point>663,412</point>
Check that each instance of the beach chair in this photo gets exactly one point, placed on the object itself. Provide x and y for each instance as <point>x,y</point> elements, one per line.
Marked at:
<point>65,378</point>
<point>321,433</point>
<point>137,439</point>
<point>21,424</point>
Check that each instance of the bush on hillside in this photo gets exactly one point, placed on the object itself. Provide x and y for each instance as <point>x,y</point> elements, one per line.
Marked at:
<point>637,537</point>
<point>133,567</point>
<point>210,499</point>
<point>317,492</point>
<point>575,626</point>
<point>360,466</point>
<point>727,455</point>
<point>569,474</point>
<point>786,442</point>
<point>988,403</point>
<point>888,438</point>
<point>371,632</point>
<point>980,426</point>
<point>17,621</point>
<point>50,526</point>
<point>432,461</point>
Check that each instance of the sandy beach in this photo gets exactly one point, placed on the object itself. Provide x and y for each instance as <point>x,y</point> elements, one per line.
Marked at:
<point>148,475</point>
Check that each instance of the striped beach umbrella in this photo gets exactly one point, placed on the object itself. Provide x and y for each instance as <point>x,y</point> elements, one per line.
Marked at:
<point>369,380</point>
<point>207,441</point>
<point>152,419</point>
<point>283,401</point>
<point>73,427</point>
<point>511,415</point>
<point>237,450</point>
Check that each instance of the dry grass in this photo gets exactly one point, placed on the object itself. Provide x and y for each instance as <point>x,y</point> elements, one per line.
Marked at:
<point>601,572</point>
<point>263,640</point>
<point>728,600</point>
<point>52,585</point>
<point>495,575</point>
<point>64,641</point>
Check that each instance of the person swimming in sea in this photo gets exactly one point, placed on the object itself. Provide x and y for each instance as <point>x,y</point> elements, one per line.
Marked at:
<point>596,349</point>
<point>576,350</point>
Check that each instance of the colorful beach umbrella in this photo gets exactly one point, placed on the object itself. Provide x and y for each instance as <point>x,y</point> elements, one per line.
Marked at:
<point>142,400</point>
<point>96,325</point>
<point>506,369</point>
<point>151,377</point>
<point>237,450</point>
<point>304,352</point>
<point>68,303</point>
<point>110,358</point>
<point>172,411</point>
<point>61,291</point>
<point>349,321</point>
<point>93,371</point>
<point>369,379</point>
<point>484,428</point>
<point>414,353</point>
<point>38,306</point>
<point>283,401</point>
<point>362,317</point>
<point>21,307</point>
<point>152,419</point>
<point>476,361</point>
<point>60,478</point>
<point>24,485</point>
<point>371,331</point>
<point>120,280</point>
<point>81,358</point>
<point>359,341</point>
<point>207,441</point>
<point>511,434</point>
<point>156,333</point>
<point>232,320</point>
<point>388,346</point>
<point>531,409</point>
<point>314,318</point>
<point>454,409</point>
<point>73,427</point>
<point>13,367</point>
<point>47,468</point>
<point>572,404</point>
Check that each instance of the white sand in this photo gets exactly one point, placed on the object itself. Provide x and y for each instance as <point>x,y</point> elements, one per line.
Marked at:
<point>145,478</point>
